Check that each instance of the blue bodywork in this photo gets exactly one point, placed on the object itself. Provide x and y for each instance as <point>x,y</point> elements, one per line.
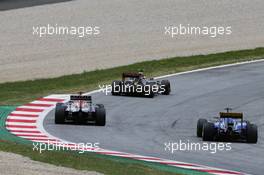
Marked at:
<point>230,128</point>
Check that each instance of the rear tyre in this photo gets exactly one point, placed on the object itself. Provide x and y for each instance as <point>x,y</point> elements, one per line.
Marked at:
<point>100,116</point>
<point>59,113</point>
<point>167,87</point>
<point>149,91</point>
<point>116,87</point>
<point>200,124</point>
<point>208,131</point>
<point>252,133</point>
<point>100,105</point>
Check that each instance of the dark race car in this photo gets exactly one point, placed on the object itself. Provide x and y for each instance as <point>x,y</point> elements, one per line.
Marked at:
<point>229,126</point>
<point>80,110</point>
<point>135,84</point>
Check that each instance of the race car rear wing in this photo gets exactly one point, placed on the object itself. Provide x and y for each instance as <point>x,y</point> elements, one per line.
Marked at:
<point>81,97</point>
<point>231,115</point>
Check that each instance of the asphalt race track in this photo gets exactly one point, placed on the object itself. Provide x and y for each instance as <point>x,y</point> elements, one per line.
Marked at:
<point>143,125</point>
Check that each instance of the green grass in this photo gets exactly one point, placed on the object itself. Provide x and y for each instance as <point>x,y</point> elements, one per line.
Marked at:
<point>88,161</point>
<point>24,91</point>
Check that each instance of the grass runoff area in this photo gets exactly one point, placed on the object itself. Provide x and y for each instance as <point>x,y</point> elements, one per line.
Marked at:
<point>17,93</point>
<point>91,161</point>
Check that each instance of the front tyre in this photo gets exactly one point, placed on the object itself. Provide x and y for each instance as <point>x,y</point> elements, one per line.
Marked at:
<point>200,124</point>
<point>252,133</point>
<point>149,91</point>
<point>100,105</point>
<point>167,87</point>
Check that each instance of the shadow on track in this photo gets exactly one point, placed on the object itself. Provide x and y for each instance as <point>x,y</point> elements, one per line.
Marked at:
<point>16,4</point>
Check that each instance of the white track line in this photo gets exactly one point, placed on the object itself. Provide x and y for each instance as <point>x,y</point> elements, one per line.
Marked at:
<point>210,68</point>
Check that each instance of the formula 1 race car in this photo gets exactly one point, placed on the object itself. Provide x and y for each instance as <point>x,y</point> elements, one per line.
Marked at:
<point>135,84</point>
<point>229,126</point>
<point>80,110</point>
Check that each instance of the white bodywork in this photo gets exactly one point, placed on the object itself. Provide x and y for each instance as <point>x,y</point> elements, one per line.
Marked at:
<point>75,106</point>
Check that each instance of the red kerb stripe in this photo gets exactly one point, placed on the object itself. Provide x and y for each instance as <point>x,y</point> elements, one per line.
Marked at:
<point>29,110</point>
<point>20,120</point>
<point>219,171</point>
<point>20,126</point>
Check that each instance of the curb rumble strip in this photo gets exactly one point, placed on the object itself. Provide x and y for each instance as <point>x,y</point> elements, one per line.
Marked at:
<point>27,122</point>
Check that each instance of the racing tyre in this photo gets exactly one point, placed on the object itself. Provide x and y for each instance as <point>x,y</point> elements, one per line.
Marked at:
<point>252,133</point>
<point>200,124</point>
<point>208,132</point>
<point>116,87</point>
<point>100,116</point>
<point>150,91</point>
<point>166,84</point>
<point>59,113</point>
<point>100,105</point>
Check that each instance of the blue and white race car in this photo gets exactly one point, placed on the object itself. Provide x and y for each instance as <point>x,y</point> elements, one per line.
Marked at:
<point>229,126</point>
